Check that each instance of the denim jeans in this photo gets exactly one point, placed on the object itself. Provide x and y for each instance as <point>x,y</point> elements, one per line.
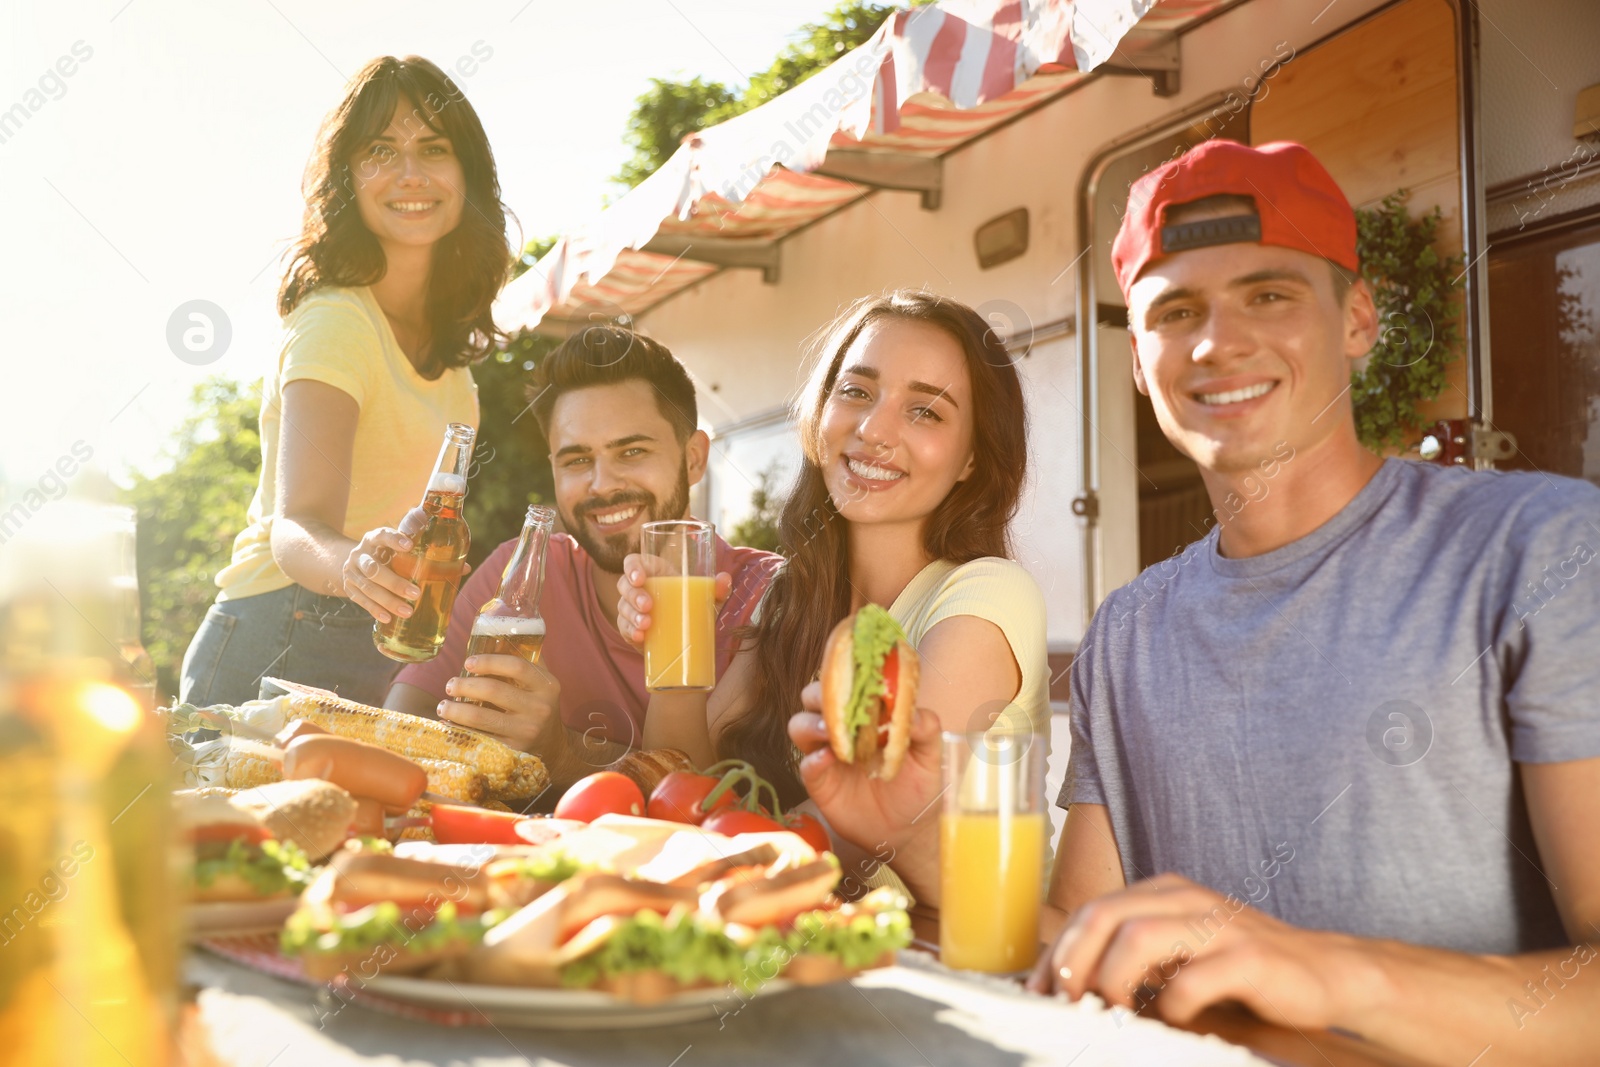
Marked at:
<point>292,633</point>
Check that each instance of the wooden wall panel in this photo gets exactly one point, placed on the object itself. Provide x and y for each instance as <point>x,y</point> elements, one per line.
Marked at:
<point>1377,104</point>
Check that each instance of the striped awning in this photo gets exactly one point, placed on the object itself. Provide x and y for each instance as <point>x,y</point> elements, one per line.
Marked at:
<point>930,80</point>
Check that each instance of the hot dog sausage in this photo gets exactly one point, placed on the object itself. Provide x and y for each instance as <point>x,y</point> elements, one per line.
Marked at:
<point>357,767</point>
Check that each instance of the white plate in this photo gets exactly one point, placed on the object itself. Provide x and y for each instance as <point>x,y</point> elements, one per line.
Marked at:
<point>566,1009</point>
<point>222,918</point>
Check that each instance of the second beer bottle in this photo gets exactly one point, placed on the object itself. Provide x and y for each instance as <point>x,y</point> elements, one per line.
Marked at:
<point>510,624</point>
<point>434,563</point>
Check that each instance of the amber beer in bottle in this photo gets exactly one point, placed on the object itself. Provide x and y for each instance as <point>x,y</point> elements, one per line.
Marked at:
<point>91,944</point>
<point>510,624</point>
<point>437,553</point>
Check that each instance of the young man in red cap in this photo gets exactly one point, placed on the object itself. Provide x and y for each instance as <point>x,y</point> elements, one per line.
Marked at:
<point>1354,732</point>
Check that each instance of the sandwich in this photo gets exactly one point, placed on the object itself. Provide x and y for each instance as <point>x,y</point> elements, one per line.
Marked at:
<point>368,912</point>
<point>869,691</point>
<point>646,941</point>
<point>260,844</point>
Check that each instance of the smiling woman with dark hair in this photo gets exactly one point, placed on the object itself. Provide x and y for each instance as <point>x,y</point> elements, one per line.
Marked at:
<point>913,431</point>
<point>385,305</point>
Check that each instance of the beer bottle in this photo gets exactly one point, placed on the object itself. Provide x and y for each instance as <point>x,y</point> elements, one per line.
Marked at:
<point>437,552</point>
<point>88,856</point>
<point>510,624</point>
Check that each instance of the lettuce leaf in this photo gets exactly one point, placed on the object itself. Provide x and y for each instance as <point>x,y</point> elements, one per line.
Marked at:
<point>271,867</point>
<point>692,948</point>
<point>383,923</point>
<point>550,866</point>
<point>875,634</point>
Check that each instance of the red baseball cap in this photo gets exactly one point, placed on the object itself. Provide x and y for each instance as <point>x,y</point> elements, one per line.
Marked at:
<point>1298,205</point>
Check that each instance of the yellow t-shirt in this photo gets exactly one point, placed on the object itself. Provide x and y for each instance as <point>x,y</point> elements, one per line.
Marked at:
<point>1000,591</point>
<point>341,337</point>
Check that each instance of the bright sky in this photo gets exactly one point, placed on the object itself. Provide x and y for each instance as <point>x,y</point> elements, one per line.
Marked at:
<point>166,168</point>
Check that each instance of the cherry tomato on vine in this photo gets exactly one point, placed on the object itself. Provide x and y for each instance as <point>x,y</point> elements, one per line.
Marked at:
<point>737,821</point>
<point>680,797</point>
<point>810,829</point>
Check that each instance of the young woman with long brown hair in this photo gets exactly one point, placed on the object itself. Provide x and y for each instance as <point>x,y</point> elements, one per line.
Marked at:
<point>914,437</point>
<point>385,304</point>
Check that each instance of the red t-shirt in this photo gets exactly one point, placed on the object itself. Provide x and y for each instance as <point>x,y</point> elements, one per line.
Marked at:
<point>601,675</point>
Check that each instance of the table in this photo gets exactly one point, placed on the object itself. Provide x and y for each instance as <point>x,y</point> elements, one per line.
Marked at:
<point>917,1013</point>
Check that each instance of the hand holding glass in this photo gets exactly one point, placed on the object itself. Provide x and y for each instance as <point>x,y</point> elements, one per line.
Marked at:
<point>681,644</point>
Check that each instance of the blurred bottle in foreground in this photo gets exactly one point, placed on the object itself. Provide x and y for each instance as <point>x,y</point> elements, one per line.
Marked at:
<point>88,900</point>
<point>437,552</point>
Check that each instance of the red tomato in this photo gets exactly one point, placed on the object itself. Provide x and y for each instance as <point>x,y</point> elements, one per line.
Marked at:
<point>458,825</point>
<point>225,832</point>
<point>810,830</point>
<point>891,676</point>
<point>739,821</point>
<point>606,793</point>
<point>680,796</point>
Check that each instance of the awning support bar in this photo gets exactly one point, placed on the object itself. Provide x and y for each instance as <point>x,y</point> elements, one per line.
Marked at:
<point>1149,54</point>
<point>750,252</point>
<point>888,170</point>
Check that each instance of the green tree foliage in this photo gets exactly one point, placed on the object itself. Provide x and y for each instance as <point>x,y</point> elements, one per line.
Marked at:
<point>670,110</point>
<point>511,465</point>
<point>189,514</point>
<point>665,114</point>
<point>759,529</point>
<point>815,45</point>
<point>1418,316</point>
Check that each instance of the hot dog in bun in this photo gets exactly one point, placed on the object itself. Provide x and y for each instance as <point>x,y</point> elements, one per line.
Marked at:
<point>259,844</point>
<point>368,911</point>
<point>645,941</point>
<point>869,690</point>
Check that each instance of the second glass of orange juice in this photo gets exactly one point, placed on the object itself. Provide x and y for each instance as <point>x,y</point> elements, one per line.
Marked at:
<point>681,644</point>
<point>991,850</point>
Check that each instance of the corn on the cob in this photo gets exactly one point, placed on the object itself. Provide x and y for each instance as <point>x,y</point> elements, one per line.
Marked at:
<point>528,778</point>
<point>420,810</point>
<point>497,805</point>
<point>246,769</point>
<point>409,735</point>
<point>453,779</point>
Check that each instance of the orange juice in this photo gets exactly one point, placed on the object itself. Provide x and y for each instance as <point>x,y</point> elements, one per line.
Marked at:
<point>681,644</point>
<point>991,876</point>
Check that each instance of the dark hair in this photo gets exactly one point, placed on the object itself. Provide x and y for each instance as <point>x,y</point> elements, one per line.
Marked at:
<point>812,591</point>
<point>607,355</point>
<point>335,247</point>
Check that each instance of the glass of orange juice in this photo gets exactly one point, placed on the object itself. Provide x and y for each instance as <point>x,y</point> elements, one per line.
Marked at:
<point>991,848</point>
<point>680,565</point>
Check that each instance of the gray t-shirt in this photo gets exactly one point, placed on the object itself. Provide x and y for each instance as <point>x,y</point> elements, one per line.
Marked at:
<point>1328,730</point>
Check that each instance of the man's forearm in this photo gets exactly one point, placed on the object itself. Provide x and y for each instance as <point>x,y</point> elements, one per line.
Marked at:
<point>1448,1007</point>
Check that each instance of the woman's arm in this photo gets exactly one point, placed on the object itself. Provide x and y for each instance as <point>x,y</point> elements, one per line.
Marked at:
<point>678,720</point>
<point>969,673</point>
<point>315,449</point>
<point>1087,865</point>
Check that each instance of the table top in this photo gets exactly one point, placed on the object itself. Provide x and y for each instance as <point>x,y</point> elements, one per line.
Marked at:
<point>915,1013</point>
